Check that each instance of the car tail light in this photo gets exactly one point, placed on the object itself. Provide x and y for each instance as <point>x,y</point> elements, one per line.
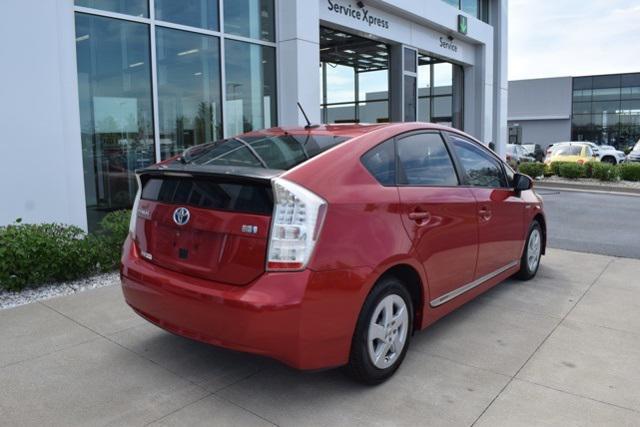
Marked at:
<point>298,215</point>
<point>580,162</point>
<point>134,210</point>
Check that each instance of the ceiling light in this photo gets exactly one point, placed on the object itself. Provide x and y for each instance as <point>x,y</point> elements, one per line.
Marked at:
<point>82,38</point>
<point>137,64</point>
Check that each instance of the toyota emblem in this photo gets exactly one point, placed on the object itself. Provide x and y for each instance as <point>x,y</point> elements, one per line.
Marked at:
<point>181,216</point>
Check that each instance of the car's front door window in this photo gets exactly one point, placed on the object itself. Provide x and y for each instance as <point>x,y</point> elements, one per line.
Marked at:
<point>482,169</point>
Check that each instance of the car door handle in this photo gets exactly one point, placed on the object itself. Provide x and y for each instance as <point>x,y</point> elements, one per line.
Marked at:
<point>485,213</point>
<point>421,218</point>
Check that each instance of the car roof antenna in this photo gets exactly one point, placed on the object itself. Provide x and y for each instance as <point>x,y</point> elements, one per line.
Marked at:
<point>309,125</point>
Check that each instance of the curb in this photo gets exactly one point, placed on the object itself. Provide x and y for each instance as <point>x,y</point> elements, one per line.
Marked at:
<point>586,188</point>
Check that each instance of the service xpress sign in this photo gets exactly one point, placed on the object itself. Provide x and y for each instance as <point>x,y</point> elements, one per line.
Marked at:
<point>361,14</point>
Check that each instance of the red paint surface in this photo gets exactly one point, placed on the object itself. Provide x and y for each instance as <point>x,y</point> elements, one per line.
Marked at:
<point>306,319</point>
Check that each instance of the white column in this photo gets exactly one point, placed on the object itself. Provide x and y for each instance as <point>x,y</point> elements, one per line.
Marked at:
<point>298,38</point>
<point>499,20</point>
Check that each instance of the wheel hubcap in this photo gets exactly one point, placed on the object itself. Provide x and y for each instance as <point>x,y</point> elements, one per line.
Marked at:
<point>388,331</point>
<point>533,251</point>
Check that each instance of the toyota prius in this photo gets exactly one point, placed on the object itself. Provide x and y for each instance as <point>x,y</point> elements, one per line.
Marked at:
<point>328,246</point>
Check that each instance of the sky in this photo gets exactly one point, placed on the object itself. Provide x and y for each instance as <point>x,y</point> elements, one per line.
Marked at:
<point>553,38</point>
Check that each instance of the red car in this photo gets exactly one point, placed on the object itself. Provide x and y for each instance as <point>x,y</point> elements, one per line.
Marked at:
<point>329,246</point>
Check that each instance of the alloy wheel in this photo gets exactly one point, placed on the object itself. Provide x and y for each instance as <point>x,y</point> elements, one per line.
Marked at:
<point>388,330</point>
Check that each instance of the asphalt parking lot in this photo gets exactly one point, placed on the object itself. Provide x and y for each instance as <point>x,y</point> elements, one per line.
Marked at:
<point>601,223</point>
<point>560,350</point>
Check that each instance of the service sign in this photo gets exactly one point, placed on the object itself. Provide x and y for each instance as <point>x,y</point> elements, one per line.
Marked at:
<point>365,20</point>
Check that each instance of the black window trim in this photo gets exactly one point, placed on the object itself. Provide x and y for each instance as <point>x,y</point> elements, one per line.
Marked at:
<point>465,183</point>
<point>447,147</point>
<point>456,166</point>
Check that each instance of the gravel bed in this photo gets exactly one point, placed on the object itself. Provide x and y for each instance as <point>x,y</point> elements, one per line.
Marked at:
<point>589,181</point>
<point>13,299</point>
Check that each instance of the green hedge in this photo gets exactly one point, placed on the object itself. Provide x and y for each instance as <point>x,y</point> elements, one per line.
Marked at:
<point>534,170</point>
<point>33,254</point>
<point>604,171</point>
<point>571,170</point>
<point>554,167</point>
<point>630,171</point>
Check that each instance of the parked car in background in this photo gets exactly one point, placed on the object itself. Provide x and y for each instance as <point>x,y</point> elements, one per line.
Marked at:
<point>634,155</point>
<point>608,153</point>
<point>255,243</point>
<point>576,152</point>
<point>535,150</point>
<point>516,155</point>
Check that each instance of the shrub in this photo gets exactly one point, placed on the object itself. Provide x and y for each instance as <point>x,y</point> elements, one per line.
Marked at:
<point>33,254</point>
<point>630,171</point>
<point>554,167</point>
<point>571,170</point>
<point>604,171</point>
<point>588,169</point>
<point>534,170</point>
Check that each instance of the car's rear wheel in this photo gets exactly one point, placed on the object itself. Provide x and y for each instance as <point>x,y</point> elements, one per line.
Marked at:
<point>383,332</point>
<point>530,261</point>
<point>609,159</point>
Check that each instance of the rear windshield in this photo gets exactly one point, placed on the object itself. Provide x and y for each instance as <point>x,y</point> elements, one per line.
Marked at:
<point>568,150</point>
<point>209,194</point>
<point>268,151</point>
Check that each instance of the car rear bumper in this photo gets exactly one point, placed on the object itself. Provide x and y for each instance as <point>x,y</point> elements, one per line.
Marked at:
<point>304,319</point>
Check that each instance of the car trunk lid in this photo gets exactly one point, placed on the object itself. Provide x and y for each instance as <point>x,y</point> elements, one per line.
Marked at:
<point>207,222</point>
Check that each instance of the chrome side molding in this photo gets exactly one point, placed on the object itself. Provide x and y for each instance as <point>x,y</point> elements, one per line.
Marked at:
<point>466,288</point>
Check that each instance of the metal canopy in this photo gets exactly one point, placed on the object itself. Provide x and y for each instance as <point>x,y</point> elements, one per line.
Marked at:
<point>340,48</point>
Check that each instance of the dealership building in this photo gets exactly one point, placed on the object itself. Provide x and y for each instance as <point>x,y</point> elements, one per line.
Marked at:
<point>603,109</point>
<point>94,89</point>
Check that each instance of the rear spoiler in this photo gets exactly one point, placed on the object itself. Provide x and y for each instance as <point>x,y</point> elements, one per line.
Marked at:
<point>234,173</point>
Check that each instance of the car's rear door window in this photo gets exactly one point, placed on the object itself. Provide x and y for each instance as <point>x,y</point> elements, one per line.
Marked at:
<point>481,168</point>
<point>425,161</point>
<point>381,163</point>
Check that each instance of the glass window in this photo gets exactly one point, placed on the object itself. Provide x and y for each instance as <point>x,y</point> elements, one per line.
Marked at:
<point>582,83</point>
<point>470,7</point>
<point>409,60</point>
<point>341,83</point>
<point>605,82</point>
<point>410,99</point>
<point>606,107</point>
<point>189,100</point>
<point>129,7</point>
<point>628,80</point>
<point>251,87</point>
<point>630,92</point>
<point>443,79</point>
<point>606,94</point>
<point>482,169</point>
<point>442,107</point>
<point>267,151</point>
<point>581,108</point>
<point>195,13</point>
<point>250,18</point>
<point>373,85</point>
<point>454,3</point>
<point>424,160</point>
<point>114,85</point>
<point>381,163</point>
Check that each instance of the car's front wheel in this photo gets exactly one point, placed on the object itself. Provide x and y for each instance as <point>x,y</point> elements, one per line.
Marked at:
<point>383,332</point>
<point>530,261</point>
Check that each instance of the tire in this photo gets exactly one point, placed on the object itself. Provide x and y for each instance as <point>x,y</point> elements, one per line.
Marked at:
<point>609,159</point>
<point>388,296</point>
<point>532,254</point>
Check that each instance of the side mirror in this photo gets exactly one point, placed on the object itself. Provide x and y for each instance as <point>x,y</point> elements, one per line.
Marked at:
<point>522,182</point>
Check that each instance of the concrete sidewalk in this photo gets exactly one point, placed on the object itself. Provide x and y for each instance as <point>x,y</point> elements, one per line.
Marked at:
<point>563,349</point>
